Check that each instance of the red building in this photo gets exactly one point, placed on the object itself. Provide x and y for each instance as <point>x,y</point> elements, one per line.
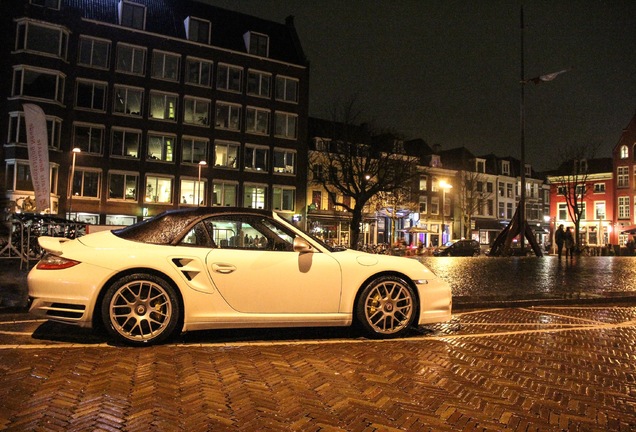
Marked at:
<point>592,182</point>
<point>624,158</point>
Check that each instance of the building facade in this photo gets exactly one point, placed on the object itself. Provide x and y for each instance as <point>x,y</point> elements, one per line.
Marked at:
<point>624,158</point>
<point>171,103</point>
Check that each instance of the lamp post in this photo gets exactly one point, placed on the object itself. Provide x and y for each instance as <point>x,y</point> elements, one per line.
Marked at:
<point>75,151</point>
<point>201,164</point>
<point>445,186</point>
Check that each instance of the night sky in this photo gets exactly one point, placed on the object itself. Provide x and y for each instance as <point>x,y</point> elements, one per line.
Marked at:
<point>448,71</point>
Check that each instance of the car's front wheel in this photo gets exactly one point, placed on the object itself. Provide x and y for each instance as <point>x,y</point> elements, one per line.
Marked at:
<point>140,309</point>
<point>386,307</point>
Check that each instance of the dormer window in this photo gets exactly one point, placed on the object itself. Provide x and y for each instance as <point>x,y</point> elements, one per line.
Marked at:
<point>480,165</point>
<point>436,161</point>
<point>505,167</point>
<point>132,15</point>
<point>528,171</point>
<point>257,44</point>
<point>197,30</point>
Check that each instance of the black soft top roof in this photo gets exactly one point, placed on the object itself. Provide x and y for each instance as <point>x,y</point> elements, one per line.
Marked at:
<point>170,225</point>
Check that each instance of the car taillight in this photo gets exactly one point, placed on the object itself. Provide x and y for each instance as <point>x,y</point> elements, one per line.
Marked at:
<point>54,262</point>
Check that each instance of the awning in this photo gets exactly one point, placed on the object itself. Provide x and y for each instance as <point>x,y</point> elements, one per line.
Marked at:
<point>631,231</point>
<point>489,225</point>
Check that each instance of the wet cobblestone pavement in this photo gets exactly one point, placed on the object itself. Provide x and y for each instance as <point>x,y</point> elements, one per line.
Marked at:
<point>520,369</point>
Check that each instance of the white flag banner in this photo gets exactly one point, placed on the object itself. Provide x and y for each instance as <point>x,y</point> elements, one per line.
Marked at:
<point>37,144</point>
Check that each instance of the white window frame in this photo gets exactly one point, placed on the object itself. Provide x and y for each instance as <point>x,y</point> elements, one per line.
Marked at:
<point>125,98</point>
<point>18,83</point>
<point>90,127</point>
<point>258,199</point>
<point>81,172</point>
<point>93,87</point>
<point>196,105</point>
<point>259,83</point>
<point>252,45</point>
<point>220,190</point>
<point>152,180</point>
<point>124,7</point>
<point>283,88</point>
<point>89,43</point>
<point>163,100</point>
<point>167,147</point>
<point>158,65</point>
<point>226,81</point>
<point>278,193</point>
<point>286,168</point>
<point>192,142</point>
<point>256,153</point>
<point>199,64</point>
<point>284,127</point>
<point>17,130</point>
<point>225,155</point>
<point>125,131</point>
<point>132,58</point>
<point>231,117</point>
<point>126,175</point>
<point>189,30</point>
<point>254,119</point>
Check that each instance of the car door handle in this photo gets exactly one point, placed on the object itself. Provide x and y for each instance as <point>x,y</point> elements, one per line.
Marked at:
<point>223,268</point>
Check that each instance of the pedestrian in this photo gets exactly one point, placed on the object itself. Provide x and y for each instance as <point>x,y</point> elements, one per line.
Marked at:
<point>559,239</point>
<point>569,243</point>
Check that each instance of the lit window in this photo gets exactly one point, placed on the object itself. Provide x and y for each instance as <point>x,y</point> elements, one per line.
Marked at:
<point>284,198</point>
<point>196,111</point>
<point>284,161</point>
<point>226,154</point>
<point>158,190</point>
<point>161,147</point>
<point>256,158</point>
<point>192,191</point>
<point>122,186</point>
<point>163,106</point>
<point>255,196</point>
<point>128,100</point>
<point>224,193</point>
<point>624,152</point>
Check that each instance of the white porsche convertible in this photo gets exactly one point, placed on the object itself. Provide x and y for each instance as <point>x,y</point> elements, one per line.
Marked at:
<point>211,268</point>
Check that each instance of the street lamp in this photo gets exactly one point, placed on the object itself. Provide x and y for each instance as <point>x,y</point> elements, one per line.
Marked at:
<point>75,151</point>
<point>201,164</point>
<point>445,186</point>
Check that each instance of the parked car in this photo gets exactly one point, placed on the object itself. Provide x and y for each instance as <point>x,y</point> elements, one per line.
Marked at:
<point>209,268</point>
<point>459,248</point>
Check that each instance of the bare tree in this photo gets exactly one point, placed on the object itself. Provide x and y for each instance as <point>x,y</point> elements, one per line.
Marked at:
<point>472,196</point>
<point>353,167</point>
<point>571,180</point>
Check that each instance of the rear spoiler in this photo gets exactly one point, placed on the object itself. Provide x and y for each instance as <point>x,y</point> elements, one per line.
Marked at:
<point>52,244</point>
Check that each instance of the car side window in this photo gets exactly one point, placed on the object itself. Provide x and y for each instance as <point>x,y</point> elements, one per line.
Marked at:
<point>198,236</point>
<point>248,233</point>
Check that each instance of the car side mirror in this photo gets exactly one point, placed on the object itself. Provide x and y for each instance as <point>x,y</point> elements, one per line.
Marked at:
<point>302,246</point>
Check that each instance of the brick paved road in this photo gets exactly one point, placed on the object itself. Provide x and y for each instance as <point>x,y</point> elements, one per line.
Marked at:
<point>543,368</point>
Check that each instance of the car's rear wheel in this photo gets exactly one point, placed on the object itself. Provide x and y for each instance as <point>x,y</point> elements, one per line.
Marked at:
<point>386,307</point>
<point>140,309</point>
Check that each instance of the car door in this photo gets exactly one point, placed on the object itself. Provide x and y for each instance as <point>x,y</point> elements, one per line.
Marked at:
<point>255,269</point>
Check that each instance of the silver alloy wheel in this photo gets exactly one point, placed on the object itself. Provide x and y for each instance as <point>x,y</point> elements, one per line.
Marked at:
<point>388,306</point>
<point>140,310</point>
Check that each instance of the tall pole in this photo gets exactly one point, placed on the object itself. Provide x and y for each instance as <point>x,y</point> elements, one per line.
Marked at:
<point>76,150</point>
<point>201,164</point>
<point>522,197</point>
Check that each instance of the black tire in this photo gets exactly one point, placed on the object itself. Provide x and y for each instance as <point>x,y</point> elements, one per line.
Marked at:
<point>386,308</point>
<point>140,310</point>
